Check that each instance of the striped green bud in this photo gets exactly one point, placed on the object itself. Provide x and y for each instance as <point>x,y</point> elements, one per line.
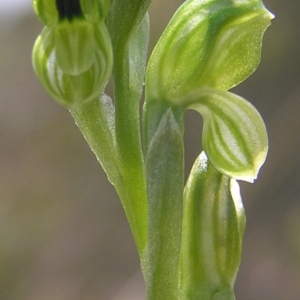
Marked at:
<point>213,228</point>
<point>234,135</point>
<point>73,85</point>
<point>207,43</point>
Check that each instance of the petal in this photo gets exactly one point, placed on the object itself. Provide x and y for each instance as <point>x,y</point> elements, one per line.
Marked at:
<point>234,134</point>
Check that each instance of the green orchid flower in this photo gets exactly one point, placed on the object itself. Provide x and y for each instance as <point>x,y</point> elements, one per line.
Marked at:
<point>188,236</point>
<point>73,55</point>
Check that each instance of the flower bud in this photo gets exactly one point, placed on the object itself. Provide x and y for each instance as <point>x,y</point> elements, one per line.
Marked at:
<point>53,68</point>
<point>207,43</point>
<point>213,228</point>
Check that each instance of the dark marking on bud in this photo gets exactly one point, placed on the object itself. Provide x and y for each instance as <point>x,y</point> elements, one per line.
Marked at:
<point>69,9</point>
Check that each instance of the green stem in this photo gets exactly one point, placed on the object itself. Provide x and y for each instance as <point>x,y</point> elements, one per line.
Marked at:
<point>96,123</point>
<point>128,75</point>
<point>120,151</point>
<point>129,146</point>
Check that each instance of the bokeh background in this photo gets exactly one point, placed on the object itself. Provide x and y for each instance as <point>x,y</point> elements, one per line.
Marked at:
<point>63,234</point>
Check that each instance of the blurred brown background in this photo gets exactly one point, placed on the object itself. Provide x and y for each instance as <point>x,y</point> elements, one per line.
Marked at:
<point>63,234</point>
